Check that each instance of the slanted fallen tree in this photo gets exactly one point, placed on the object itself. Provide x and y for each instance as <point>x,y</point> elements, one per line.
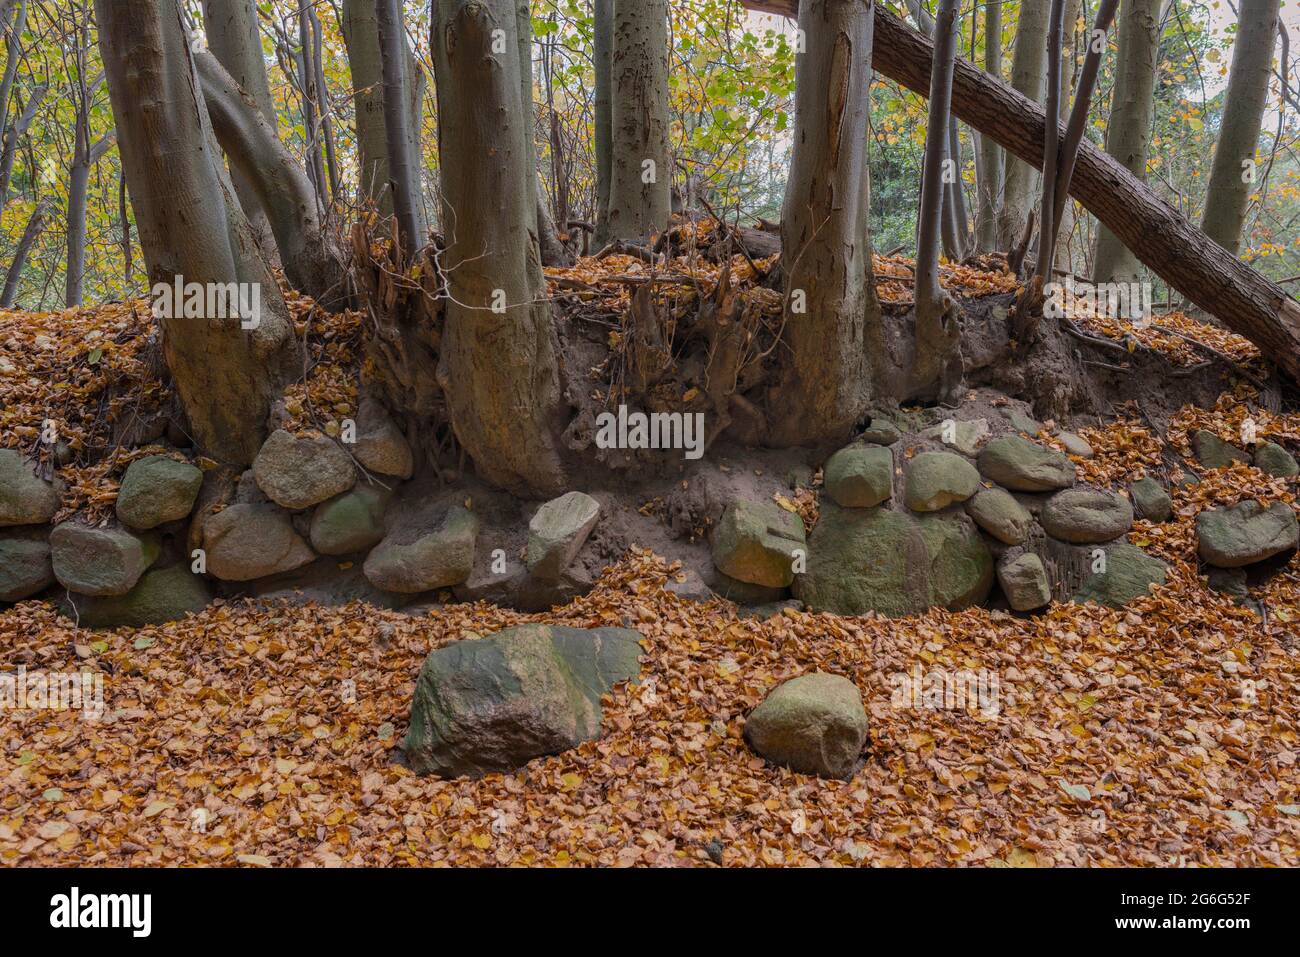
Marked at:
<point>1175,249</point>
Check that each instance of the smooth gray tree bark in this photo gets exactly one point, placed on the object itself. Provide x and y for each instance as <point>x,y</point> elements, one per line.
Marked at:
<point>498,364</point>
<point>1028,76</point>
<point>640,194</point>
<point>832,317</point>
<point>403,158</point>
<point>992,160</point>
<point>602,55</point>
<point>1128,131</point>
<point>35,223</point>
<point>1232,178</point>
<point>191,226</point>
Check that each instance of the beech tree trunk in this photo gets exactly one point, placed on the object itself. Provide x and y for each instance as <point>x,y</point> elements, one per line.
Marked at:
<point>1028,76</point>
<point>85,154</point>
<point>992,161</point>
<point>13,52</point>
<point>234,39</point>
<point>1132,110</point>
<point>602,54</point>
<point>498,364</point>
<point>553,252</point>
<point>403,161</point>
<point>640,197</point>
<point>15,132</point>
<point>191,226</point>
<point>831,311</point>
<point>35,223</point>
<point>1232,178</point>
<point>361,35</point>
<point>938,330</point>
<point>279,186</point>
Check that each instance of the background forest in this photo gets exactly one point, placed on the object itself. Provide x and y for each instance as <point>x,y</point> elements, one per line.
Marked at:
<point>731,81</point>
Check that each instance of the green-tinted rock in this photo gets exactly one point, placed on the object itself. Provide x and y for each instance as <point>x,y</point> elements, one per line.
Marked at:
<point>936,480</point>
<point>99,561</point>
<point>1129,573</point>
<point>1022,422</point>
<point>966,435</point>
<point>1276,461</point>
<point>1086,516</point>
<point>493,704</point>
<point>156,490</point>
<point>1150,501</point>
<point>881,432</point>
<point>25,499</point>
<point>1024,581</point>
<point>1214,453</point>
<point>25,567</point>
<point>1075,445</point>
<point>409,561</point>
<point>860,476</point>
<point>351,523</point>
<point>557,533</point>
<point>895,563</point>
<point>813,724</point>
<point>1245,533</point>
<point>756,542</point>
<point>161,595</point>
<point>997,512</point>
<point>1025,466</point>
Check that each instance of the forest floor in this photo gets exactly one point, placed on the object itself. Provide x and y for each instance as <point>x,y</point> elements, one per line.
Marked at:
<point>265,734</point>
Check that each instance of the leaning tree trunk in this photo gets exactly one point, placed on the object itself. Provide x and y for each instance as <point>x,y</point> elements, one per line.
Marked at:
<point>499,365</point>
<point>312,264</point>
<point>1028,75</point>
<point>1173,248</point>
<point>13,53</point>
<point>640,193</point>
<point>14,133</point>
<point>35,223</point>
<point>403,163</point>
<point>234,39</point>
<point>832,317</point>
<point>1128,131</point>
<point>603,103</point>
<point>191,226</point>
<point>938,331</point>
<point>992,159</point>
<point>1232,178</point>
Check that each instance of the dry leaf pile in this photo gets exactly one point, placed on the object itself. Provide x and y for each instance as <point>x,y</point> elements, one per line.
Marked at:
<point>259,734</point>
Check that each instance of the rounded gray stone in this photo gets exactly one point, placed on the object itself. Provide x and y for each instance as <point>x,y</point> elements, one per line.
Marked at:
<point>1087,516</point>
<point>813,724</point>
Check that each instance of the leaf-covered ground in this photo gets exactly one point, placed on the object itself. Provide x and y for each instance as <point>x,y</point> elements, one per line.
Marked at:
<point>262,734</point>
<point>1165,733</point>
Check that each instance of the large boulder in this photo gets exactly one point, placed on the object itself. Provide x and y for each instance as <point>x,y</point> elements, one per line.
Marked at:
<point>1085,516</point>
<point>351,523</point>
<point>1127,573</point>
<point>298,472</point>
<point>416,559</point>
<point>1214,453</point>
<point>1245,533</point>
<point>1025,466</point>
<point>244,542</point>
<point>1150,501</point>
<point>813,724</point>
<point>860,476</point>
<point>895,563</point>
<point>997,512</point>
<point>936,480</point>
<point>161,595</point>
<point>25,566</point>
<point>1274,460</point>
<point>25,499</point>
<point>557,533</point>
<point>755,542</point>
<point>156,490</point>
<point>381,447</point>
<point>1024,581</point>
<point>99,561</point>
<point>493,704</point>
